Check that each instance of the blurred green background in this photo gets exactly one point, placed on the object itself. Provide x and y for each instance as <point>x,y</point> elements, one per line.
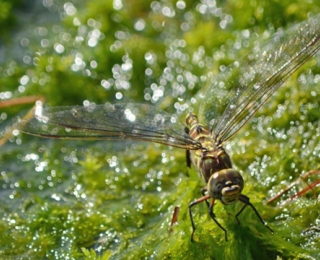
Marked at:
<point>88,200</point>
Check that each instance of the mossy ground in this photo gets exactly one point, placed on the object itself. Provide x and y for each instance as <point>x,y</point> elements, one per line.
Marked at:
<point>99,200</point>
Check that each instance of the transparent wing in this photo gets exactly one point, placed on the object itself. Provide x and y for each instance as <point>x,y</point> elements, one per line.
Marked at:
<point>251,81</point>
<point>108,122</point>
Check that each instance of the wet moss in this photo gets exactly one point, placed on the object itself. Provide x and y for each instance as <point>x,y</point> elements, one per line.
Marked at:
<point>99,200</point>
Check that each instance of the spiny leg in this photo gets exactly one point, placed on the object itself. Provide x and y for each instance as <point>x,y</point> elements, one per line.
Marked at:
<point>212,215</point>
<point>244,199</point>
<point>188,158</point>
<point>204,198</point>
<point>203,192</point>
<point>188,155</point>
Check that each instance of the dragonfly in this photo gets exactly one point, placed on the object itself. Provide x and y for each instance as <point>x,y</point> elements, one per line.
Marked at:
<point>232,98</point>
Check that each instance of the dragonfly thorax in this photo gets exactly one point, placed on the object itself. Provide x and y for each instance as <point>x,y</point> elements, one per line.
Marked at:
<point>225,185</point>
<point>209,161</point>
<point>210,158</point>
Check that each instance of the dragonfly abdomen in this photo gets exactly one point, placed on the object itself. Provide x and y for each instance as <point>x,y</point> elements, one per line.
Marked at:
<point>196,130</point>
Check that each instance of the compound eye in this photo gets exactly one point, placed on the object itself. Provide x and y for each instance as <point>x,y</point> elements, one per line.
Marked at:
<point>225,185</point>
<point>215,185</point>
<point>218,187</point>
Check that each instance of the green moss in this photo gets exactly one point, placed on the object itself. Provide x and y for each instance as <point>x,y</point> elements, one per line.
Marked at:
<point>115,200</point>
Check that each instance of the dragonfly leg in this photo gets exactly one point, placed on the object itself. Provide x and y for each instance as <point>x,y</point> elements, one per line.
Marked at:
<point>213,216</point>
<point>188,155</point>
<point>244,199</point>
<point>204,198</point>
<point>188,158</point>
<point>203,192</point>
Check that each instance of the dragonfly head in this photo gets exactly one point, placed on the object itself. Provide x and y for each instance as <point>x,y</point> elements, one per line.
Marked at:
<point>225,185</point>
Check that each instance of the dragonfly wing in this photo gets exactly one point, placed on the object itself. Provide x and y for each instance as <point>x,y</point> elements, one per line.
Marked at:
<point>108,122</point>
<point>251,81</point>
